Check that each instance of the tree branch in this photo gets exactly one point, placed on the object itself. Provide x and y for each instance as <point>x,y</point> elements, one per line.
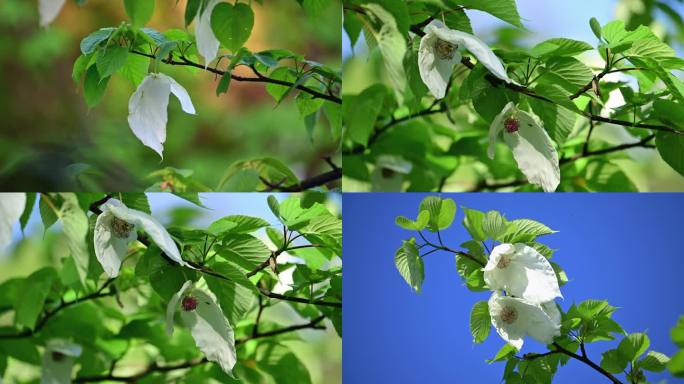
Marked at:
<point>312,182</point>
<point>259,79</point>
<point>588,362</point>
<point>272,295</point>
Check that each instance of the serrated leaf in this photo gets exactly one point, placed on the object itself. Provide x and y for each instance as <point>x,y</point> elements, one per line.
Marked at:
<point>442,212</point>
<point>654,361</point>
<point>480,322</point>
<point>232,24</point>
<point>410,264</point>
<point>494,225</point>
<point>75,224</point>
<point>633,346</point>
<point>524,231</point>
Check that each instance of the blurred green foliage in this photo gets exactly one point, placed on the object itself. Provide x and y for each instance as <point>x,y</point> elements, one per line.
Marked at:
<point>50,139</point>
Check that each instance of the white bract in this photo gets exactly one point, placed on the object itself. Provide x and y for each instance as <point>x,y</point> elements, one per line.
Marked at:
<point>11,207</point>
<point>438,53</point>
<point>207,43</point>
<point>522,272</point>
<point>115,229</point>
<point>532,147</point>
<point>48,10</point>
<point>516,318</point>
<point>58,360</point>
<point>147,109</point>
<point>209,327</point>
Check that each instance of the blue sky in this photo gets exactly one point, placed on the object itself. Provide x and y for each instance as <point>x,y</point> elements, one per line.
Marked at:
<point>619,247</point>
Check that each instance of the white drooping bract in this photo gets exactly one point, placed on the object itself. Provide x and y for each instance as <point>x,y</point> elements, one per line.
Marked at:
<point>514,318</point>
<point>438,53</point>
<point>147,109</point>
<point>209,327</point>
<point>115,229</point>
<point>531,286</point>
<point>48,10</point>
<point>522,272</point>
<point>58,360</point>
<point>531,146</point>
<point>207,43</point>
<point>11,207</point>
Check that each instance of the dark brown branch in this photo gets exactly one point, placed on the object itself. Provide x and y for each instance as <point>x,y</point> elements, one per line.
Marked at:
<point>259,79</point>
<point>588,362</point>
<point>312,182</point>
<point>154,367</point>
<point>278,296</point>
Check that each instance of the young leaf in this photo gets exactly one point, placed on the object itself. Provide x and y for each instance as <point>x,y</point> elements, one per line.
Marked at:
<point>110,60</point>
<point>595,27</point>
<point>480,322</point>
<point>654,361</point>
<point>410,264</point>
<point>140,11</point>
<point>442,212</point>
<point>94,86</point>
<point>633,346</point>
<point>232,25</point>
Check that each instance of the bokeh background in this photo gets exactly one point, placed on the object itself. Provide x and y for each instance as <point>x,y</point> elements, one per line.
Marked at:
<point>620,247</point>
<point>50,140</point>
<point>320,351</point>
<point>548,19</point>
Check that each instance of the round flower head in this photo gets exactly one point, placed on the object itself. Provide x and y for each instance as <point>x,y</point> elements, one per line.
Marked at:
<point>58,361</point>
<point>147,109</point>
<point>516,318</point>
<point>115,229</point>
<point>11,208</point>
<point>207,43</point>
<point>438,53</point>
<point>522,272</point>
<point>209,327</point>
<point>531,146</point>
<point>48,10</point>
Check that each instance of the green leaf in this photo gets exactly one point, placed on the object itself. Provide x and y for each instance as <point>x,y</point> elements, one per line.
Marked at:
<point>494,225</point>
<point>90,42</point>
<point>676,364</point>
<point>135,69</point>
<point>670,145</point>
<point>595,27</point>
<point>47,213</point>
<point>613,362</point>
<point>94,86</point>
<point>232,25</point>
<point>236,224</point>
<point>274,205</point>
<point>410,264</point>
<point>654,361</point>
<point>505,10</point>
<point>34,291</point>
<point>391,44</point>
<point>633,346</point>
<point>278,361</point>
<point>28,209</point>
<point>677,332</point>
<point>267,168</point>
<point>110,60</point>
<point>558,121</point>
<point>480,322</point>
<point>165,277</point>
<point>418,225</point>
<point>506,351</point>
<point>361,112</point>
<point>236,295</point>
<point>473,224</point>
<point>560,47</point>
<point>75,224</point>
<point>244,250</point>
<point>191,10</point>
<point>140,11</point>
<point>525,231</point>
<point>442,212</point>
<point>136,200</point>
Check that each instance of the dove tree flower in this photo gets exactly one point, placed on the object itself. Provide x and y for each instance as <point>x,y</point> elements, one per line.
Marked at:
<point>48,10</point>
<point>147,109</point>
<point>209,327</point>
<point>116,227</point>
<point>514,318</point>
<point>438,53</point>
<point>11,207</point>
<point>522,272</point>
<point>207,43</point>
<point>531,146</point>
<point>58,361</point>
